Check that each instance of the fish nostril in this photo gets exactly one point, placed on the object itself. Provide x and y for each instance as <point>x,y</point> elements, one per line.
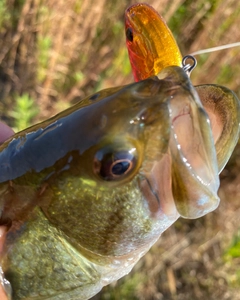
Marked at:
<point>94,97</point>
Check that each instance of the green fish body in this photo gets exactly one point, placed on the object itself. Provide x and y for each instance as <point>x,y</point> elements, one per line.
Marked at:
<point>89,191</point>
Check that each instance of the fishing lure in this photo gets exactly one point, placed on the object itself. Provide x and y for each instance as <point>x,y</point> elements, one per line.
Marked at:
<point>89,191</point>
<point>151,47</point>
<point>150,43</point>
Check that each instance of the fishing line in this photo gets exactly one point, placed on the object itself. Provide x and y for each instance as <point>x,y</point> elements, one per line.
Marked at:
<point>218,48</point>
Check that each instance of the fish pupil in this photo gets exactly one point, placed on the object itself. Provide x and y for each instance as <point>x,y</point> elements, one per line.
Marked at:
<point>129,34</point>
<point>120,167</point>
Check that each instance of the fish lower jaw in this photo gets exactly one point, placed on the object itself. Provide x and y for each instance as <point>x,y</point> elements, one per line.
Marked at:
<point>201,207</point>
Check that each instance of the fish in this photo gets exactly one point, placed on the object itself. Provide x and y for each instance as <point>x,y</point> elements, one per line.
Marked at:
<point>87,192</point>
<point>152,47</point>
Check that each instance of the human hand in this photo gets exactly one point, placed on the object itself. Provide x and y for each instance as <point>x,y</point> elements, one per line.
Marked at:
<point>5,132</point>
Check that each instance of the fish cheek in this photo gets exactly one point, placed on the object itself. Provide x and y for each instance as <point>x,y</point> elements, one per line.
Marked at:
<point>100,218</point>
<point>17,206</point>
<point>94,212</point>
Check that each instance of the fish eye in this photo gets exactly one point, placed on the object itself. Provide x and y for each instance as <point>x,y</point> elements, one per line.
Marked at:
<point>111,166</point>
<point>129,34</point>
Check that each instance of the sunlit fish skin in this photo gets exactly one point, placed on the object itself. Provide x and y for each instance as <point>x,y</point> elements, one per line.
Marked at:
<point>150,42</point>
<point>89,191</point>
<point>151,45</point>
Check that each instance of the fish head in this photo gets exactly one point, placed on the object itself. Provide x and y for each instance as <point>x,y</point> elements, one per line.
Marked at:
<point>138,170</point>
<point>107,194</point>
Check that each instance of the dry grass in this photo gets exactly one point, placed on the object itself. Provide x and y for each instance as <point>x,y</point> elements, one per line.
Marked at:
<point>60,51</point>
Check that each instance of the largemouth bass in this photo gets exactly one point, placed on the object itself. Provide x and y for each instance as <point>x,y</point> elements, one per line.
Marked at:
<point>89,191</point>
<point>151,47</point>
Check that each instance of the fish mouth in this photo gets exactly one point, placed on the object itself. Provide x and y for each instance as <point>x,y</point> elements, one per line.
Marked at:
<point>185,181</point>
<point>195,180</point>
<point>182,114</point>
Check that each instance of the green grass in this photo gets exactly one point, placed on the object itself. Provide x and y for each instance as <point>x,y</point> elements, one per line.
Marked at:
<point>4,14</point>
<point>44,46</point>
<point>23,112</point>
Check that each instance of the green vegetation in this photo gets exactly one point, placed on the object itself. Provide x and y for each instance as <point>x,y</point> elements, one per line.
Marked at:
<point>23,112</point>
<point>44,46</point>
<point>233,251</point>
<point>4,14</point>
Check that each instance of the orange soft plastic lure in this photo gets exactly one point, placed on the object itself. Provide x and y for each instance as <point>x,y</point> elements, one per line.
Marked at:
<point>151,45</point>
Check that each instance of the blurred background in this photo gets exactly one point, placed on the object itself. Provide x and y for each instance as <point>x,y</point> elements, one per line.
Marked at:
<point>54,53</point>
